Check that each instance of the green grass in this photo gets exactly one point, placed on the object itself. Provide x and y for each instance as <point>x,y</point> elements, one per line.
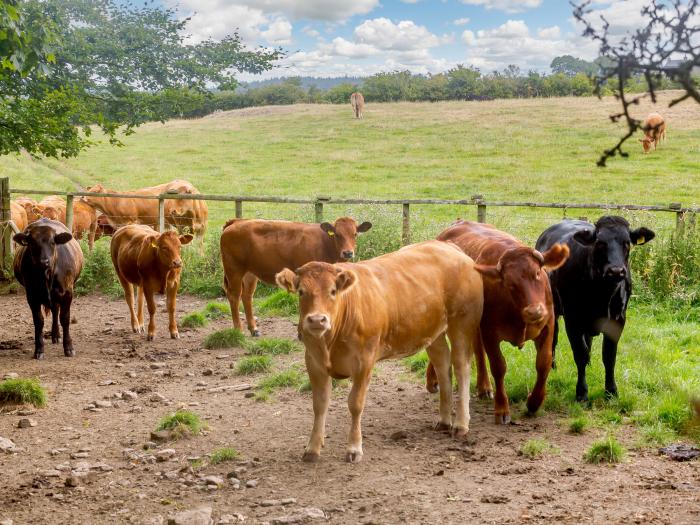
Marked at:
<point>579,424</point>
<point>534,448</point>
<point>280,304</point>
<point>181,423</point>
<point>226,338</point>
<point>290,378</point>
<point>606,450</point>
<point>418,363</point>
<point>272,346</point>
<point>22,392</point>
<point>222,455</point>
<point>254,364</point>
<point>194,320</point>
<point>216,310</point>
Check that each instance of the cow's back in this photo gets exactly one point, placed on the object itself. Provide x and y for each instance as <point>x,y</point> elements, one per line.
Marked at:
<point>125,247</point>
<point>482,242</point>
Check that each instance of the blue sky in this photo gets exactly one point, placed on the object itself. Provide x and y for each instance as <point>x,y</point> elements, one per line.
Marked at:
<point>362,37</point>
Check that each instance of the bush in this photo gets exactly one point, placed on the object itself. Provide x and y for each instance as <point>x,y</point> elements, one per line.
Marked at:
<point>227,338</point>
<point>254,364</point>
<point>22,392</point>
<point>181,423</point>
<point>606,450</point>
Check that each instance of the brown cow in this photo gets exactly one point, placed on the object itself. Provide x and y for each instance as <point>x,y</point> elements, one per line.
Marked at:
<point>518,305</point>
<point>150,260</point>
<point>654,128</point>
<point>104,227</point>
<point>51,207</point>
<point>47,263</point>
<point>357,101</point>
<point>253,249</point>
<point>352,315</point>
<point>84,216</point>
<point>28,205</point>
<point>183,214</point>
<point>19,215</point>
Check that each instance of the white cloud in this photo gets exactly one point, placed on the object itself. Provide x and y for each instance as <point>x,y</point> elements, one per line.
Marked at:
<point>278,32</point>
<point>549,33</point>
<point>386,35</point>
<point>462,21</point>
<point>509,6</point>
<point>344,48</point>
<point>329,10</point>
<point>310,31</point>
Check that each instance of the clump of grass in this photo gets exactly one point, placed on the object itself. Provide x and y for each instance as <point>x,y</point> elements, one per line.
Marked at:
<point>578,425</point>
<point>181,423</point>
<point>418,363</point>
<point>22,392</point>
<point>606,450</point>
<point>98,271</point>
<point>535,448</point>
<point>194,320</point>
<point>291,378</point>
<point>254,364</point>
<point>279,303</point>
<point>227,338</point>
<point>272,345</point>
<point>216,310</point>
<point>221,455</point>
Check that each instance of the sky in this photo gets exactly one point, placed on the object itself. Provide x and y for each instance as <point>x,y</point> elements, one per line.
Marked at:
<point>331,38</point>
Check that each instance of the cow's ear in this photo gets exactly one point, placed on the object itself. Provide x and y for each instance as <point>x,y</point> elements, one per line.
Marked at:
<point>345,280</point>
<point>365,226</point>
<point>328,228</point>
<point>489,272</point>
<point>641,235</point>
<point>21,239</point>
<point>286,279</point>
<point>62,238</point>
<point>555,257</point>
<point>585,237</point>
<point>185,239</point>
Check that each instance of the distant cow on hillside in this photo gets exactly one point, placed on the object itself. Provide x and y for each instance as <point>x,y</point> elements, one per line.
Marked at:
<point>654,128</point>
<point>357,101</point>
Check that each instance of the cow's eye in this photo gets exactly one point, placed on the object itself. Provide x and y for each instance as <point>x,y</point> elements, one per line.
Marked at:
<point>333,292</point>
<point>301,293</point>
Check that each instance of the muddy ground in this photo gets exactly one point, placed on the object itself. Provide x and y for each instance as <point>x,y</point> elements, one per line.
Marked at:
<point>421,477</point>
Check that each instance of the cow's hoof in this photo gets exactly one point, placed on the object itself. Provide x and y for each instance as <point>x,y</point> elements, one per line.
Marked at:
<point>150,337</point>
<point>610,393</point>
<point>554,365</point>
<point>485,394</point>
<point>69,352</point>
<point>432,387</point>
<point>174,335</point>
<point>55,339</point>
<point>353,457</point>
<point>442,427</point>
<point>311,457</point>
<point>38,355</point>
<point>582,398</point>
<point>460,433</point>
<point>255,333</point>
<point>502,419</point>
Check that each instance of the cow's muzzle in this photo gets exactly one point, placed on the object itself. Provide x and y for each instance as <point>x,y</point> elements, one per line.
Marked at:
<point>534,313</point>
<point>616,272</point>
<point>177,264</point>
<point>317,324</point>
<point>348,254</point>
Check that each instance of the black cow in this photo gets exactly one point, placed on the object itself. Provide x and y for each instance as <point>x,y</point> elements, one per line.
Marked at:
<point>591,290</point>
<point>47,263</point>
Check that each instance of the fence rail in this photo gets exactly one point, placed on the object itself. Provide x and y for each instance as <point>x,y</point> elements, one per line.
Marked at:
<point>318,203</point>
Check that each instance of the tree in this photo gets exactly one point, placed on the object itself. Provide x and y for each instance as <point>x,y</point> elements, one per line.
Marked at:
<point>104,56</point>
<point>670,31</point>
<point>571,66</point>
<point>463,82</point>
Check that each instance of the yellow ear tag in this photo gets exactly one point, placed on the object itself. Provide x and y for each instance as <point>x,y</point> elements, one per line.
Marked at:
<point>641,240</point>
<point>331,234</point>
<point>153,244</point>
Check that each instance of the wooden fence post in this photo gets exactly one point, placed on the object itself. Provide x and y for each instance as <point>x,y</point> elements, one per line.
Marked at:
<point>679,214</point>
<point>406,225</point>
<point>161,214</point>
<point>69,212</point>
<point>6,230</point>
<point>239,209</point>
<point>318,208</point>
<point>481,212</point>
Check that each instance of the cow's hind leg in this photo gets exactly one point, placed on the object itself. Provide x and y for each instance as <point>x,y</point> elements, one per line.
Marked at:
<point>356,404</point>
<point>483,383</point>
<point>498,371</point>
<point>439,354</point>
<point>250,282</point>
<point>321,392</point>
<point>66,301</point>
<point>234,286</point>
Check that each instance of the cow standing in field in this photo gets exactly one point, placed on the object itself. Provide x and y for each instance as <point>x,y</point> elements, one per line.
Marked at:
<point>182,214</point>
<point>592,289</point>
<point>150,260</point>
<point>47,263</point>
<point>104,227</point>
<point>84,216</point>
<point>28,205</point>
<point>352,315</point>
<point>18,215</point>
<point>654,128</point>
<point>259,249</point>
<point>357,101</point>
<point>517,306</point>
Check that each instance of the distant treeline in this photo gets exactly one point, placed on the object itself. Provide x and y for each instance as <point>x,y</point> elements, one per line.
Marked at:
<point>459,83</point>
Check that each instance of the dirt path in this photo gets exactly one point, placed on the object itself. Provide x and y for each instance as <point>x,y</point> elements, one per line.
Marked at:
<point>421,477</point>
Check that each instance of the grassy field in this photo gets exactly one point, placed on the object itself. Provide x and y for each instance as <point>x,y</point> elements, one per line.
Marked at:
<point>538,150</point>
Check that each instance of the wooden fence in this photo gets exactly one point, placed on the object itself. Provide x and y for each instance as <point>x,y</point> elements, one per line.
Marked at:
<point>478,201</point>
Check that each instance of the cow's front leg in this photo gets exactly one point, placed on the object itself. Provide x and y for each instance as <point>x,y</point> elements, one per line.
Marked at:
<point>543,365</point>
<point>580,345</point>
<point>65,324</point>
<point>38,318</point>
<point>439,354</point>
<point>498,371</point>
<point>55,333</point>
<point>463,345</point>
<point>356,404</point>
<point>321,393</point>
<point>609,358</point>
<point>151,304</point>
<point>171,299</point>
<point>139,317</point>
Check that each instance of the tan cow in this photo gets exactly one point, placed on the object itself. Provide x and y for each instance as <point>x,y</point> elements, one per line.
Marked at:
<point>654,128</point>
<point>258,249</point>
<point>18,215</point>
<point>28,205</point>
<point>150,260</point>
<point>357,101</point>
<point>84,216</point>
<point>183,214</point>
<point>353,315</point>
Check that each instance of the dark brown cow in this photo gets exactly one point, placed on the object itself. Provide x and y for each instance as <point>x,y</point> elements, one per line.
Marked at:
<point>517,305</point>
<point>151,261</point>
<point>47,263</point>
<point>352,315</point>
<point>254,249</point>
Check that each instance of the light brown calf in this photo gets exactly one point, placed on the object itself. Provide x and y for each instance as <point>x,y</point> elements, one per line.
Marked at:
<point>258,249</point>
<point>142,257</point>
<point>357,101</point>
<point>353,315</point>
<point>654,128</point>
